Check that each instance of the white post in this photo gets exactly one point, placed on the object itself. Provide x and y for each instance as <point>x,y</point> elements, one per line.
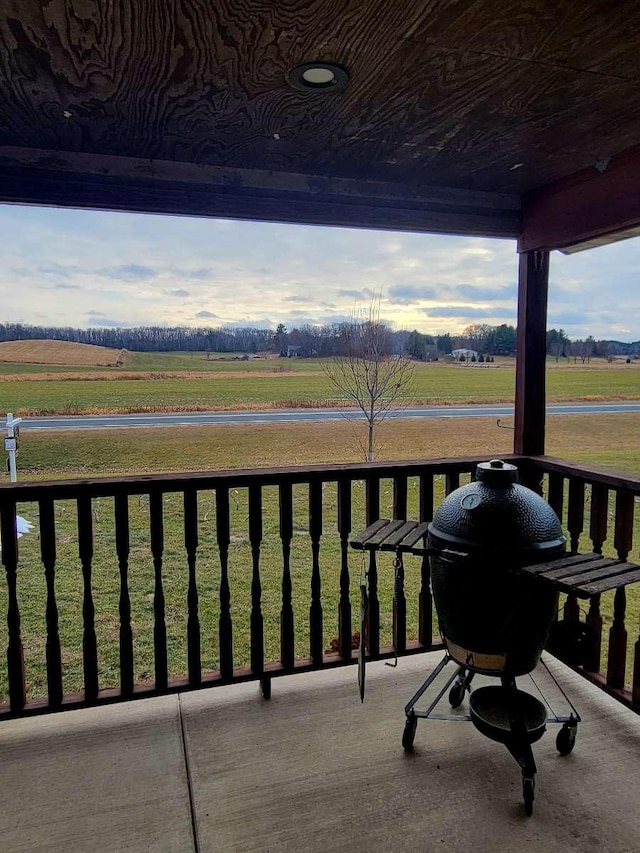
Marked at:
<point>11,445</point>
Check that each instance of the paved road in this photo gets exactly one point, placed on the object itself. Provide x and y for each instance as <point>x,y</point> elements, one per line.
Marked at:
<point>297,415</point>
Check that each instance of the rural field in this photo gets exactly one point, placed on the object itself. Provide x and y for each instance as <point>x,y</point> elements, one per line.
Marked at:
<point>191,382</point>
<point>613,441</point>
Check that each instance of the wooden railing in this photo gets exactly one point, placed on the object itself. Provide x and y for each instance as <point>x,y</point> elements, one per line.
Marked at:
<point>597,509</point>
<point>145,585</point>
<point>117,531</point>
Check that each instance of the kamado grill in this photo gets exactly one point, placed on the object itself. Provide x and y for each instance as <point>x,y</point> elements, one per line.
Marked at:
<point>485,544</point>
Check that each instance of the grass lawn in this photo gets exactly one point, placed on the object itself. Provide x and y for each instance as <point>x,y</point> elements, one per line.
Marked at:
<point>179,382</point>
<point>94,453</point>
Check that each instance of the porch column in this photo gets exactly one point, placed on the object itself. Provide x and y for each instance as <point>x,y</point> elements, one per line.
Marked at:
<point>531,353</point>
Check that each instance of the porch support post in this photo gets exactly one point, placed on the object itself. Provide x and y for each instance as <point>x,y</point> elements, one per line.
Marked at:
<point>531,352</point>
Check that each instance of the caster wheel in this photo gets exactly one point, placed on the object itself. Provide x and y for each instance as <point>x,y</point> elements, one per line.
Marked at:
<point>409,732</point>
<point>566,739</point>
<point>456,695</point>
<point>528,787</point>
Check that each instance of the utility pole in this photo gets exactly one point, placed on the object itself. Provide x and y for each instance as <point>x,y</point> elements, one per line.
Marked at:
<point>11,444</point>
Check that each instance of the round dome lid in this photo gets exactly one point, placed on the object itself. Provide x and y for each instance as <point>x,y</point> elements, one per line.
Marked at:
<point>496,513</point>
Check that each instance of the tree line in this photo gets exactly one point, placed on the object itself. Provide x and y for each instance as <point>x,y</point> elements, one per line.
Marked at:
<point>307,340</point>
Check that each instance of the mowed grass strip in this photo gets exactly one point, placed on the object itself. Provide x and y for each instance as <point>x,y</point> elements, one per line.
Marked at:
<point>296,383</point>
<point>612,440</point>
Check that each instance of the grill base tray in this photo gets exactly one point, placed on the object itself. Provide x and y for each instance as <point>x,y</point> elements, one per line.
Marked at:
<point>503,715</point>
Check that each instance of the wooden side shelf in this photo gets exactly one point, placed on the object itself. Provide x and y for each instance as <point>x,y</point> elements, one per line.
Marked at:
<point>407,537</point>
<point>583,575</point>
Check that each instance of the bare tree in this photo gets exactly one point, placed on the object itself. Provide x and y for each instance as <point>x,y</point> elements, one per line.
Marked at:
<point>367,373</point>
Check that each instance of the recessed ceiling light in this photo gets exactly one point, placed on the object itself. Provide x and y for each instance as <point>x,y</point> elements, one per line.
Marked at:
<point>318,77</point>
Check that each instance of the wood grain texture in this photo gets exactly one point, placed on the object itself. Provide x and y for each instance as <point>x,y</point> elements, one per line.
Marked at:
<point>452,93</point>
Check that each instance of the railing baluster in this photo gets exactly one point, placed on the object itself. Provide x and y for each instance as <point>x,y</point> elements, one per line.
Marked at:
<point>623,541</point>
<point>617,641</point>
<point>287,643</point>
<point>575,524</point>
<point>156,528</point>
<point>89,642</point>
<point>426,497</point>
<point>400,496</point>
<point>599,516</point>
<point>575,516</point>
<point>48,554</point>
<point>598,534</point>
<point>255,537</point>
<point>193,618</point>
<point>373,614</point>
<point>556,493</point>
<point>315,611</point>
<point>593,654</point>
<point>121,503</point>
<point>425,600</point>
<point>225,624</point>
<point>15,653</point>
<point>344,608</point>
<point>452,481</point>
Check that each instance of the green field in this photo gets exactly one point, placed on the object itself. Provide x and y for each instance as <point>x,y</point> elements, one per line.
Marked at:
<point>90,454</point>
<point>174,381</point>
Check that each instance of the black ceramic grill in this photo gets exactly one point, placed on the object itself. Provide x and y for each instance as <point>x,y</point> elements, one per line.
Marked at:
<point>494,617</point>
<point>489,544</point>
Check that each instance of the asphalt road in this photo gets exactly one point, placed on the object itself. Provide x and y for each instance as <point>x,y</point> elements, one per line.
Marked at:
<point>174,419</point>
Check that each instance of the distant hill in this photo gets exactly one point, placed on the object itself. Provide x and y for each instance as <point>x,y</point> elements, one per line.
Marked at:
<point>60,352</point>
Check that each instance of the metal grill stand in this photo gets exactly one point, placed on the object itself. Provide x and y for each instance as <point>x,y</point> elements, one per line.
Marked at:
<point>503,713</point>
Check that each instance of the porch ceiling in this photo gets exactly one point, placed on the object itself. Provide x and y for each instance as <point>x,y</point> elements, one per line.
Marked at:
<point>454,110</point>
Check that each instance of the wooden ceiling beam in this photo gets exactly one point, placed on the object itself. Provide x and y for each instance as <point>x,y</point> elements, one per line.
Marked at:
<point>67,179</point>
<point>594,206</point>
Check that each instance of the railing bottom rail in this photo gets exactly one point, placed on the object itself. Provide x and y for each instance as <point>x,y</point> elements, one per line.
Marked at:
<point>113,695</point>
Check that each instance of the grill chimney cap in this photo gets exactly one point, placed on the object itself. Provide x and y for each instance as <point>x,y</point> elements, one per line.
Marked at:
<point>497,473</point>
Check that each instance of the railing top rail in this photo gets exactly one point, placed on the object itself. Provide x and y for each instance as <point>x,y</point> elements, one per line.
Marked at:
<point>146,483</point>
<point>589,473</point>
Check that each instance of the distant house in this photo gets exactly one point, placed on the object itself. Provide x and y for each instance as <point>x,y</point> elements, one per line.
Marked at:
<point>293,352</point>
<point>467,353</point>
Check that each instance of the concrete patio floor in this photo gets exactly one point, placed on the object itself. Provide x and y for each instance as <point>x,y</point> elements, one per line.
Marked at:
<point>311,770</point>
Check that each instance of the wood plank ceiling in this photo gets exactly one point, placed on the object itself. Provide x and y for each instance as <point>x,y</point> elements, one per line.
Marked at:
<point>454,108</point>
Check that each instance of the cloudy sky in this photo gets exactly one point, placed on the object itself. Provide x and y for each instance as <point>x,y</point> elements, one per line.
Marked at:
<point>84,268</point>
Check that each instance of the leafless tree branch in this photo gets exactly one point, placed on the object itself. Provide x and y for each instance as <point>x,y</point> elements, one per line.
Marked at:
<point>367,374</point>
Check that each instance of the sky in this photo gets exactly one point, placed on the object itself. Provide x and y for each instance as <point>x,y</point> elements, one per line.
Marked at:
<point>87,268</point>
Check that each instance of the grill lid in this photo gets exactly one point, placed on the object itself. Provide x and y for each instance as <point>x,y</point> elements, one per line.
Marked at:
<point>498,514</point>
